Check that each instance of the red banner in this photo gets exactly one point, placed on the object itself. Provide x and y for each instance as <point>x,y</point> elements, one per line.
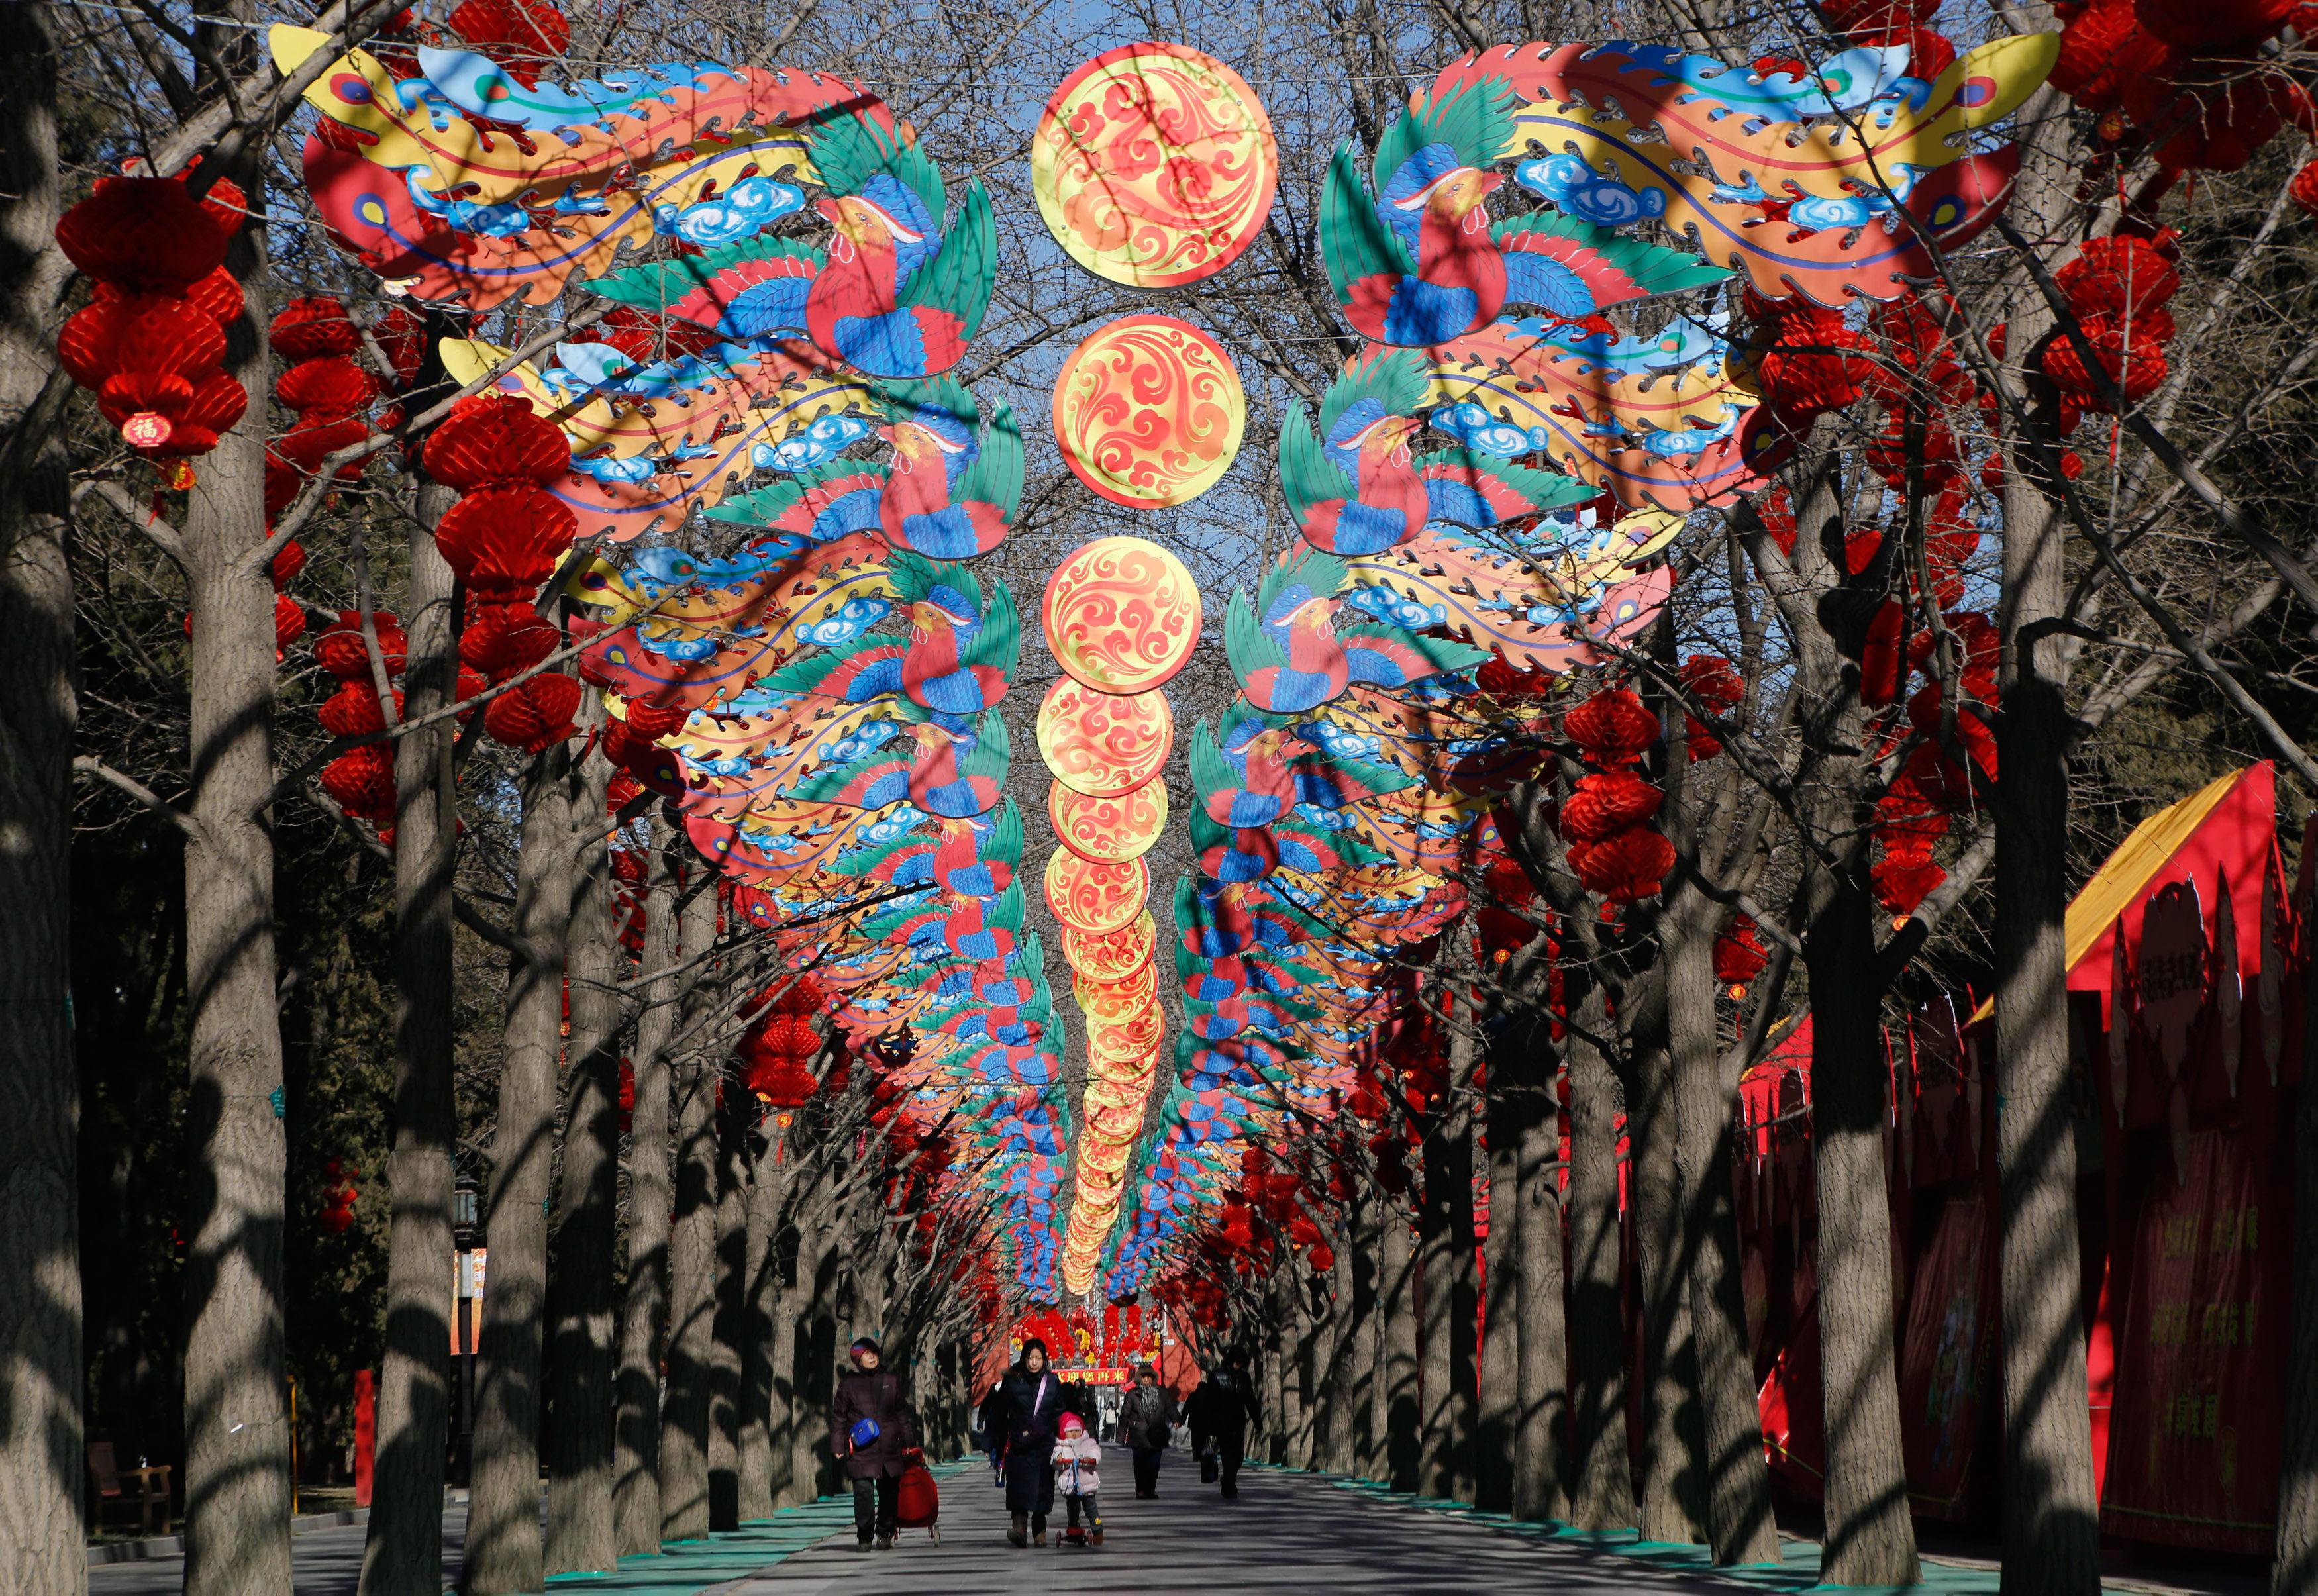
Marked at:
<point>1945,1355</point>
<point>2194,1435</point>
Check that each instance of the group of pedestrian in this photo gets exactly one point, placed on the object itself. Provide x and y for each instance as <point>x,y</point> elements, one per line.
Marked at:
<point>1041,1441</point>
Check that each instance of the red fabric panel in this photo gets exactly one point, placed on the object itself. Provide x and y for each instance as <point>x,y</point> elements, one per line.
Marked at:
<point>1945,1354</point>
<point>1793,1406</point>
<point>2194,1449</point>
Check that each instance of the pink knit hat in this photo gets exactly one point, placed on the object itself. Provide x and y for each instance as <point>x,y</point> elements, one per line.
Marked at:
<point>1072,1426</point>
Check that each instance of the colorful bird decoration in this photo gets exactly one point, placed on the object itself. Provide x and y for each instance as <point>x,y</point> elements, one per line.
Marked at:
<point>1415,259</point>
<point>1290,655</point>
<point>899,297</point>
<point>950,491</point>
<point>1356,488</point>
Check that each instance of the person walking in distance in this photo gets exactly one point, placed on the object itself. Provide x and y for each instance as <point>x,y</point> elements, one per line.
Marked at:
<point>870,1429</point>
<point>1078,1463</point>
<point>1222,1409</point>
<point>1033,1416</point>
<point>1145,1423</point>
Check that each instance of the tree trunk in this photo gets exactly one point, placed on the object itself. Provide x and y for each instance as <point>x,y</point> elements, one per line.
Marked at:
<point>1869,1537</point>
<point>785,1419</point>
<point>1278,1351</point>
<point>1363,1426</point>
<point>1540,1467</point>
<point>1739,1520</point>
<point>1341,1388</point>
<point>1499,1408</point>
<point>1673,1497</point>
<point>643,1312</point>
<point>403,1554</point>
<point>40,1429</point>
<point>761,1290</point>
<point>734,1181</point>
<point>2294,1567</point>
<point>1602,1487</point>
<point>237,1394</point>
<point>503,1551</point>
<point>2052,1517</point>
<point>814,1351</point>
<point>1401,1413</point>
<point>692,1265</point>
<point>579,1522</point>
<point>1446,1228</point>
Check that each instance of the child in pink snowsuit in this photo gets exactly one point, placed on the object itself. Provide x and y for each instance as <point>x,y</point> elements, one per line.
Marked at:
<point>1078,1462</point>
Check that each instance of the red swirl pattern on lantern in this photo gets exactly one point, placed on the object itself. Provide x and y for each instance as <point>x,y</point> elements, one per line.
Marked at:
<point>1121,614</point>
<point>1104,744</point>
<point>1110,956</point>
<point>1089,896</point>
<point>1108,830</point>
<point>1148,411</point>
<point>1155,164</point>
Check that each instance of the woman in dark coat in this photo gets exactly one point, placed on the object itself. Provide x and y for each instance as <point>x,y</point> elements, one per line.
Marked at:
<point>1033,1408</point>
<point>869,1429</point>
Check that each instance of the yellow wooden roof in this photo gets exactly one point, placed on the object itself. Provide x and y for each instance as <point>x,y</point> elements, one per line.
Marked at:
<point>2123,879</point>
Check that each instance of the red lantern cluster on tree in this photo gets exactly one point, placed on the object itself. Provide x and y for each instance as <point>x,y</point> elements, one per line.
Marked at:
<point>343,1195</point>
<point>1738,955</point>
<point>634,744</point>
<point>1806,360</point>
<point>1913,815</point>
<point>1614,849</point>
<point>776,1051</point>
<point>2117,288</point>
<point>504,538</point>
<point>1715,681</point>
<point>2189,77</point>
<point>150,345</point>
<point>362,780</point>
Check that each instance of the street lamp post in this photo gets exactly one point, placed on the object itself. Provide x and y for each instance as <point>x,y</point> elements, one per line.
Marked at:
<point>467,1288</point>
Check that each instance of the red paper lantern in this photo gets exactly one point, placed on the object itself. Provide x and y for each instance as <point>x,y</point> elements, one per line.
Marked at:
<point>315,328</point>
<point>353,710</point>
<point>142,233</point>
<point>1612,727</point>
<point>220,297</point>
<point>362,781</point>
<point>1738,955</point>
<point>1627,866</point>
<point>495,439</point>
<point>289,620</point>
<point>330,386</point>
<point>2129,356</point>
<point>2201,26</point>
<point>520,35</point>
<point>341,650</point>
<point>534,715</point>
<point>505,539</point>
<point>1608,803</point>
<point>288,560</point>
<point>1810,364</point>
<point>401,337</point>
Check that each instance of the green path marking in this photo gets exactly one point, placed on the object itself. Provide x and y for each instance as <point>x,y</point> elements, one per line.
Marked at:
<point>686,1567</point>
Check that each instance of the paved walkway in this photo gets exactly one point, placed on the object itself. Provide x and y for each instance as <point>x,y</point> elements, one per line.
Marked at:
<point>1285,1533</point>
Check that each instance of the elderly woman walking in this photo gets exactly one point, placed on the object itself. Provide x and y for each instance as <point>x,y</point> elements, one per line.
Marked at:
<point>1032,1409</point>
<point>870,1429</point>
